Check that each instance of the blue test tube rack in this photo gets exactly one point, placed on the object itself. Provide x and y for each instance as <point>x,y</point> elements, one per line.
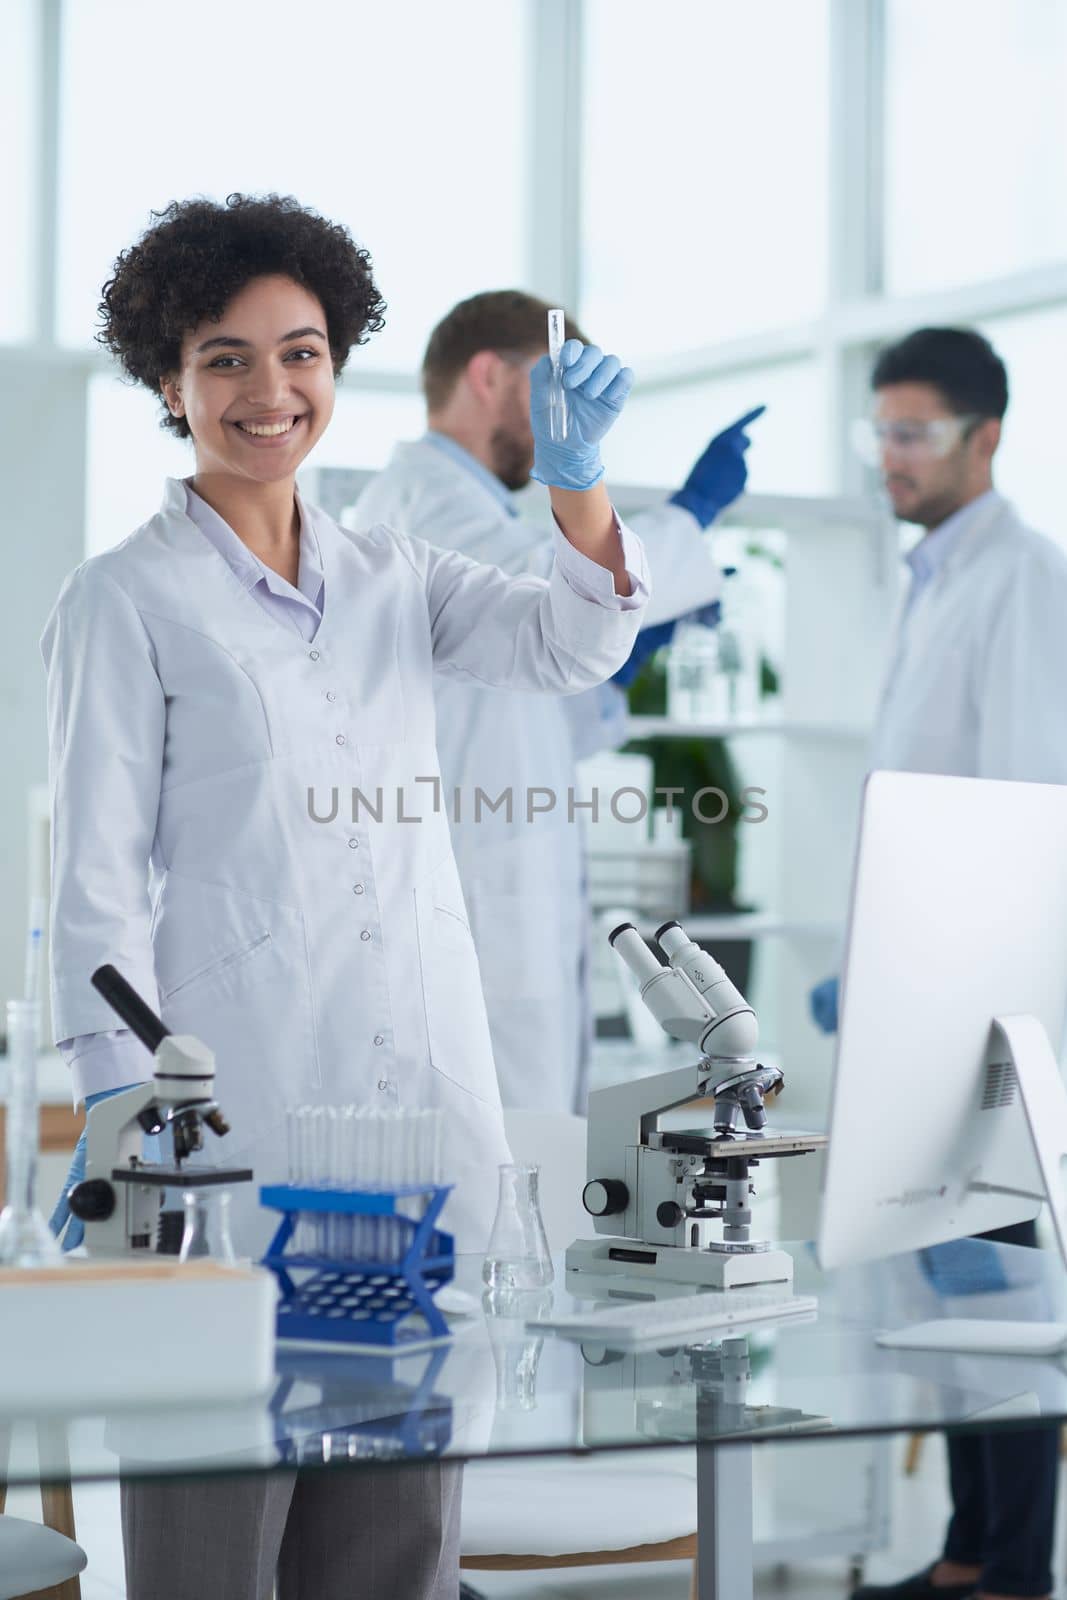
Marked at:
<point>341,1300</point>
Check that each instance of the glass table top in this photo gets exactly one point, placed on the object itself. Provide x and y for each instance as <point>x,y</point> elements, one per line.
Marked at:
<point>498,1388</point>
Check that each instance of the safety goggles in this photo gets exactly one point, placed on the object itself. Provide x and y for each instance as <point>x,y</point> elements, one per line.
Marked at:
<point>916,441</point>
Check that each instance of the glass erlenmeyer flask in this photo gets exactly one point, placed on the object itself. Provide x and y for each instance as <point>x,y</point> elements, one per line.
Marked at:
<point>207,1226</point>
<point>518,1255</point>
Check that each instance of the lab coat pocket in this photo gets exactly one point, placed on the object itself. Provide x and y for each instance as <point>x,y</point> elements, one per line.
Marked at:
<point>248,997</point>
<point>456,1027</point>
<point>232,958</point>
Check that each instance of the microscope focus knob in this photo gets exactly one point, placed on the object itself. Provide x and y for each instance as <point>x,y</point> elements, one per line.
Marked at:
<point>604,1197</point>
<point>92,1200</point>
<point>669,1214</point>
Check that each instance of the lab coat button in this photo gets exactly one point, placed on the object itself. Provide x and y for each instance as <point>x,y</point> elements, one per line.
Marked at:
<point>379,1040</point>
<point>314,654</point>
<point>357,888</point>
<point>331,697</point>
<point>365,935</point>
<point>340,738</point>
<point>383,1084</point>
<point>353,844</point>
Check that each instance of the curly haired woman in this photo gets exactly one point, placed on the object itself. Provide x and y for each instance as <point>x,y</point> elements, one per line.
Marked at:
<point>229,690</point>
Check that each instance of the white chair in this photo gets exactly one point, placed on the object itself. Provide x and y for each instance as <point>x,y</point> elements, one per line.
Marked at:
<point>617,1507</point>
<point>33,1558</point>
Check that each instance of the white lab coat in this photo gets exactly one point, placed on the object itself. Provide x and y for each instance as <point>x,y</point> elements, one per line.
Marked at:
<point>523,882</point>
<point>977,675</point>
<point>322,960</point>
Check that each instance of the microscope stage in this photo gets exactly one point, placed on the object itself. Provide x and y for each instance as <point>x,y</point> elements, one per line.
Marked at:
<point>750,1146</point>
<point>181,1177</point>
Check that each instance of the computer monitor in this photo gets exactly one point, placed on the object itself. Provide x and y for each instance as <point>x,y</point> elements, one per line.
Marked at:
<point>942,1122</point>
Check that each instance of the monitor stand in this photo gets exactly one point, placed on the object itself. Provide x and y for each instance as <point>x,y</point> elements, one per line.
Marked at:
<point>1044,1100</point>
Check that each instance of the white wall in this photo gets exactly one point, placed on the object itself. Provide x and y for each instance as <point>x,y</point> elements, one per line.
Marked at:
<point>43,426</point>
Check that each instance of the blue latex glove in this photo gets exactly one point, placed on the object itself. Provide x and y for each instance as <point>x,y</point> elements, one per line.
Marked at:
<point>649,640</point>
<point>61,1217</point>
<point>720,474</point>
<point>596,387</point>
<point>823,1003</point>
<point>964,1266</point>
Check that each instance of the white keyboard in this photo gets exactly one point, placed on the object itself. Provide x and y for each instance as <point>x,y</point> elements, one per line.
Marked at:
<point>640,1321</point>
<point>975,1337</point>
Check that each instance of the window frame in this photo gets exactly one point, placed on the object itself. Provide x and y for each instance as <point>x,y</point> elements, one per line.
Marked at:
<point>858,315</point>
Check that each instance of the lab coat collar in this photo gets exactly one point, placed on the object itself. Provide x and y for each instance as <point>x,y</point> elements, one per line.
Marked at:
<point>463,458</point>
<point>246,566</point>
<point>322,541</point>
<point>935,549</point>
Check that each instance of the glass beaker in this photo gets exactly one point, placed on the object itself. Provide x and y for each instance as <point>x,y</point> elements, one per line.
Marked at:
<point>692,668</point>
<point>207,1226</point>
<point>518,1256</point>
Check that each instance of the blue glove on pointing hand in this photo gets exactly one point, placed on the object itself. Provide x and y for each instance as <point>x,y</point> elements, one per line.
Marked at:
<point>823,1002</point>
<point>596,387</point>
<point>720,474</point>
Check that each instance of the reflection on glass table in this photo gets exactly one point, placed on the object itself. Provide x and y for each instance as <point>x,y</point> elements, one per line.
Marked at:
<point>489,1395</point>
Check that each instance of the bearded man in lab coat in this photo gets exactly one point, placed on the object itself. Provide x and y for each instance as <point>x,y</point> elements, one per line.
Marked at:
<point>975,688</point>
<point>522,874</point>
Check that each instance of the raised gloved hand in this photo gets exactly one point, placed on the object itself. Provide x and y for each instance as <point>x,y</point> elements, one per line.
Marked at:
<point>596,387</point>
<point>720,474</point>
<point>823,1003</point>
<point>61,1218</point>
<point>649,640</point>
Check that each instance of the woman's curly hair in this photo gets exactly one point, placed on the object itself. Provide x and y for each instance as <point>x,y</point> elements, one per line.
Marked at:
<point>199,254</point>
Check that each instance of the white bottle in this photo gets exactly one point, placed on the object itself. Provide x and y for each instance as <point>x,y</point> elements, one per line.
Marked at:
<point>692,669</point>
<point>739,657</point>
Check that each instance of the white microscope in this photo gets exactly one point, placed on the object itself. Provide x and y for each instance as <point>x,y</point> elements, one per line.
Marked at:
<point>120,1198</point>
<point>657,1196</point>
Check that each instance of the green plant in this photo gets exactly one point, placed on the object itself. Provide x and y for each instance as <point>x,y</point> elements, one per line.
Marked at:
<point>691,765</point>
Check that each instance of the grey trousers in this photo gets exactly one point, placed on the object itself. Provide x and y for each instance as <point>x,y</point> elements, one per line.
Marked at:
<point>339,1533</point>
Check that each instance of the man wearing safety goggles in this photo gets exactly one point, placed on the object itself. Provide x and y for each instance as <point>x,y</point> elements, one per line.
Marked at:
<point>975,688</point>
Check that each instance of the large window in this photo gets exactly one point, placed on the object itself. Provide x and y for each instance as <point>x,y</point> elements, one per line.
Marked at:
<point>406,122</point>
<point>705,176</point>
<point>659,436</point>
<point>129,454</point>
<point>366,426</point>
<point>976,139</point>
<point>1029,466</point>
<point>18,113</point>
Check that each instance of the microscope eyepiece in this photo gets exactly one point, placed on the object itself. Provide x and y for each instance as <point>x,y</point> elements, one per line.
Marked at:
<point>614,934</point>
<point>661,931</point>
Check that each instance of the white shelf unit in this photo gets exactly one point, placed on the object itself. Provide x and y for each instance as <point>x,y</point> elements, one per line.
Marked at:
<point>742,727</point>
<point>837,595</point>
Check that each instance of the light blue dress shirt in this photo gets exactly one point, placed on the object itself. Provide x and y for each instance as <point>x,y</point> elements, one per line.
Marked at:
<point>933,549</point>
<point>489,480</point>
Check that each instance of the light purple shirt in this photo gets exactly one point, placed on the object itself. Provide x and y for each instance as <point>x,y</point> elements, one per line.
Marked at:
<point>115,1059</point>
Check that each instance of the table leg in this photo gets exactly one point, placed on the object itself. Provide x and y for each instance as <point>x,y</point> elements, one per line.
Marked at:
<point>724,1522</point>
<point>57,1499</point>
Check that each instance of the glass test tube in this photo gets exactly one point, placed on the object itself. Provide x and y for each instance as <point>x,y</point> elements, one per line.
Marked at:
<point>557,411</point>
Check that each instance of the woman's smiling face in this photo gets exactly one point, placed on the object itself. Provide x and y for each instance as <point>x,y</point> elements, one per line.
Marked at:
<point>257,386</point>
